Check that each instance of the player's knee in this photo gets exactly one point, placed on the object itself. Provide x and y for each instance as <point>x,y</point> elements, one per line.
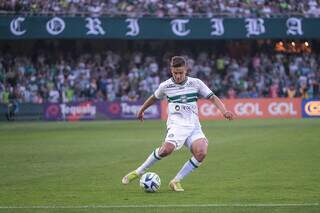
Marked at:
<point>200,155</point>
<point>166,150</point>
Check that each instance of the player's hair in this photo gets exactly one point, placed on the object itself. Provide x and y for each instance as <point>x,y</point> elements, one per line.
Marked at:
<point>178,61</point>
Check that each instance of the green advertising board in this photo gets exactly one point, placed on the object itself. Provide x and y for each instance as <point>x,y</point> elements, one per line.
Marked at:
<point>30,27</point>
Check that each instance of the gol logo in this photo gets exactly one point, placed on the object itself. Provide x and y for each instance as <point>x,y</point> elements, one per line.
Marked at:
<point>281,108</point>
<point>208,110</point>
<point>247,109</point>
<point>312,108</point>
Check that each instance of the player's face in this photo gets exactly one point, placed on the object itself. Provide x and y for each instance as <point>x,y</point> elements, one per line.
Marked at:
<point>179,74</point>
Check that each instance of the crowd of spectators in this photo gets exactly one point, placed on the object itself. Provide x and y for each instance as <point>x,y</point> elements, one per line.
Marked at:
<point>165,8</point>
<point>134,75</point>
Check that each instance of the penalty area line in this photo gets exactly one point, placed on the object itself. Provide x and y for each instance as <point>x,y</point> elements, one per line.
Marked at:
<point>165,206</point>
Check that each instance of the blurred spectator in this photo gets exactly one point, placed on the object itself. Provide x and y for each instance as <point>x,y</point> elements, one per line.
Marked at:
<point>132,75</point>
<point>291,92</point>
<point>162,8</point>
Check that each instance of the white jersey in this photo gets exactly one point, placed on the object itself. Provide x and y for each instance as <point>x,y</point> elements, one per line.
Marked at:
<point>182,98</point>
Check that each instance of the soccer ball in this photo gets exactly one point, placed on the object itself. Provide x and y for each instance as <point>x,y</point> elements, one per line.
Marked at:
<point>150,182</point>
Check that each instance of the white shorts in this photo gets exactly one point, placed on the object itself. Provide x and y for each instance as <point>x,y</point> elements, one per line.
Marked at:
<point>180,136</point>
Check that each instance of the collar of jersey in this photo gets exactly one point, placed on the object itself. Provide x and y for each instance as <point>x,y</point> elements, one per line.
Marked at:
<point>182,83</point>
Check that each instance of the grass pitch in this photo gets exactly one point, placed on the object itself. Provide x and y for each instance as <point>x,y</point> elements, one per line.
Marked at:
<point>252,166</point>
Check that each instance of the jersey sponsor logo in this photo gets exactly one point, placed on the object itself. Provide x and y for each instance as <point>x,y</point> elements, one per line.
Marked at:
<point>170,86</point>
<point>188,108</point>
<point>185,98</point>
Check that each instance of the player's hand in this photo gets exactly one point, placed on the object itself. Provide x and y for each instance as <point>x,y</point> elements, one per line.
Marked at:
<point>228,115</point>
<point>140,115</point>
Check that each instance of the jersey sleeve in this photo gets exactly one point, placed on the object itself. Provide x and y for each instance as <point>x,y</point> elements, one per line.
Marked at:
<point>159,93</point>
<point>204,90</point>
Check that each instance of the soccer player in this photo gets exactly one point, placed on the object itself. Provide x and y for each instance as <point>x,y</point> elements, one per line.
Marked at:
<point>183,126</point>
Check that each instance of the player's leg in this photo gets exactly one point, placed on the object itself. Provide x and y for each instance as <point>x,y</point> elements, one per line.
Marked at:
<point>166,149</point>
<point>198,145</point>
<point>175,139</point>
<point>199,149</point>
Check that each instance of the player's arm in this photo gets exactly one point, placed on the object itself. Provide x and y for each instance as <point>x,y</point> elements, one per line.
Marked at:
<point>150,101</point>
<point>219,104</point>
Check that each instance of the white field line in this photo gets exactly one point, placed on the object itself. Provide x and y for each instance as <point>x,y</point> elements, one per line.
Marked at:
<point>165,206</point>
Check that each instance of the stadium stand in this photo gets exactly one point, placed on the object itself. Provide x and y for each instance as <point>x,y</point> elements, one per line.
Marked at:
<point>164,8</point>
<point>57,75</point>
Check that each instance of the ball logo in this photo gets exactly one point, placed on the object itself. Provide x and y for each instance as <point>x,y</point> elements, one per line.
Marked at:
<point>207,109</point>
<point>246,109</point>
<point>281,108</point>
<point>312,108</point>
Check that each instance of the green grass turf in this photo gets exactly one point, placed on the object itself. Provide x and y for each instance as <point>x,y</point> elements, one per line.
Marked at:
<point>78,164</point>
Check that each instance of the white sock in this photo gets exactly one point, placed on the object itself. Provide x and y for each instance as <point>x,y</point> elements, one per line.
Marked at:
<point>152,159</point>
<point>187,168</point>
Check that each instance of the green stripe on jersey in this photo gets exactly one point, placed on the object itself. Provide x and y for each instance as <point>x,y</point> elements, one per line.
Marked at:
<point>176,97</point>
<point>181,101</point>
